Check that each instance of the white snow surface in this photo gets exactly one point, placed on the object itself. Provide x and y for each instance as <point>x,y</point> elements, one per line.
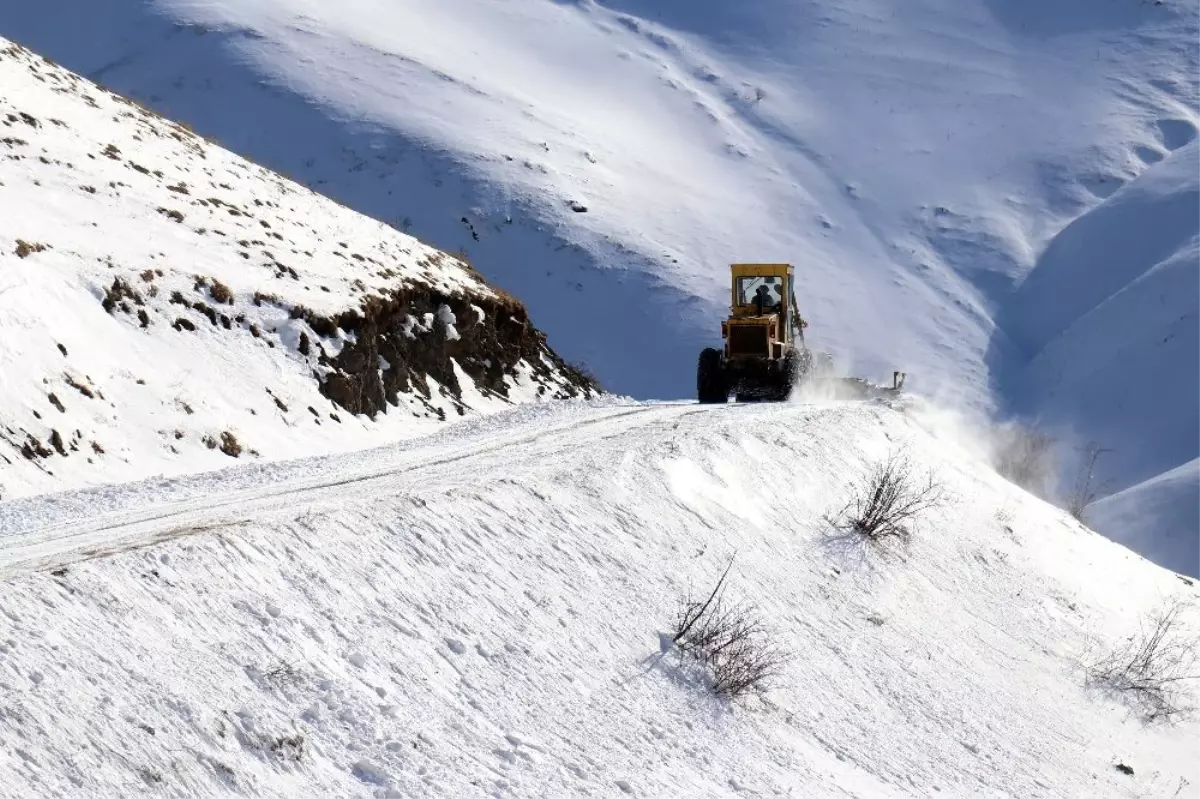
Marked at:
<point>916,162</point>
<point>94,190</point>
<point>912,162</point>
<point>1156,517</point>
<point>479,613</point>
<point>1110,322</point>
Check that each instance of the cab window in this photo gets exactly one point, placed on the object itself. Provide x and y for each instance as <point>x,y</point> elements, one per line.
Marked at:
<point>769,289</point>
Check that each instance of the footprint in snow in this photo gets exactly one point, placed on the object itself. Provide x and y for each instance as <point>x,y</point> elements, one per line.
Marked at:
<point>1176,133</point>
<point>456,646</point>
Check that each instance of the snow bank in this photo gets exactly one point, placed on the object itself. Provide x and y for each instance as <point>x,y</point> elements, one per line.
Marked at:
<point>480,612</point>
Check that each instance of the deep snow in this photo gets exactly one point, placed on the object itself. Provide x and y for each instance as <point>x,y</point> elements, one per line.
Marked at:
<point>478,613</point>
<point>149,282</point>
<point>915,163</point>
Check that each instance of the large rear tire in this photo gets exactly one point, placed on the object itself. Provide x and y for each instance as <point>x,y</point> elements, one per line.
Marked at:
<point>796,366</point>
<point>711,386</point>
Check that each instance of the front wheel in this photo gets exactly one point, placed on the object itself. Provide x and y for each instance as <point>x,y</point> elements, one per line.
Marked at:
<point>710,378</point>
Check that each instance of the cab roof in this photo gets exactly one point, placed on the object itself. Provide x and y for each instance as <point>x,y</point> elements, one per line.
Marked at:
<point>760,270</point>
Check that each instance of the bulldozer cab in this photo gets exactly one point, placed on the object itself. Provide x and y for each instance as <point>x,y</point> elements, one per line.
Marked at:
<point>765,293</point>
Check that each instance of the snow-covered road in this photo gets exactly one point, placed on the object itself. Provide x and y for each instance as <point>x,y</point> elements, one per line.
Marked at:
<point>42,533</point>
<point>479,613</point>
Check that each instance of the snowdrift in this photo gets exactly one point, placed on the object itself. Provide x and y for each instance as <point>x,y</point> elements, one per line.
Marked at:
<point>480,613</point>
<point>166,306</point>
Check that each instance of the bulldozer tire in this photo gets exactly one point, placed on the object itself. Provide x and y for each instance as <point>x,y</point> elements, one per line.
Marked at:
<point>796,365</point>
<point>710,378</point>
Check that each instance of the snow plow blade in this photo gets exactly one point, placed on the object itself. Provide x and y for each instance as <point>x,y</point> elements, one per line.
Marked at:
<point>848,388</point>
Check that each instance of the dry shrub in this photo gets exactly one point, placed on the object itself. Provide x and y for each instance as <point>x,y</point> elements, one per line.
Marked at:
<point>1153,668</point>
<point>730,640</point>
<point>288,747</point>
<point>230,445</point>
<point>26,248</point>
<point>220,292</point>
<point>1086,490</point>
<point>889,501</point>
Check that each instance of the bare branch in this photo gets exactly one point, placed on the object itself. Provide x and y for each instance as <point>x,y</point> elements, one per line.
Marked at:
<point>1153,668</point>
<point>1086,491</point>
<point>889,501</point>
<point>730,640</point>
<point>693,612</point>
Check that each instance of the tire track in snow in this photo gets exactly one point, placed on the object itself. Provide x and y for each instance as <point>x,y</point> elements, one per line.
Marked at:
<point>58,544</point>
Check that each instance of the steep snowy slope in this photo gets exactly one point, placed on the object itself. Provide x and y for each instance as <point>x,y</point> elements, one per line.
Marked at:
<point>1156,517</point>
<point>912,161</point>
<point>1109,320</point>
<point>166,306</point>
<point>478,613</point>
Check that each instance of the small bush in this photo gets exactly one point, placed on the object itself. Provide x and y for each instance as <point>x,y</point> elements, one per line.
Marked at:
<point>889,501</point>
<point>1152,669</point>
<point>230,445</point>
<point>282,673</point>
<point>730,640</point>
<point>26,248</point>
<point>1086,490</point>
<point>582,375</point>
<point>220,292</point>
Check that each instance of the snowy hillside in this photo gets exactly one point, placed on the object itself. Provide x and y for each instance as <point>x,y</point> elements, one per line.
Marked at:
<point>1156,517</point>
<point>1110,321</point>
<point>166,306</point>
<point>479,613</point>
<point>604,161</point>
<point>911,164</point>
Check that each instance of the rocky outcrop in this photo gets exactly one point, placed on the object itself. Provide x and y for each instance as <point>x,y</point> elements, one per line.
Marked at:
<point>393,342</point>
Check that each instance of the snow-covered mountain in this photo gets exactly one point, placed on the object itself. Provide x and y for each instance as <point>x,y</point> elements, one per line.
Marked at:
<point>1110,321</point>
<point>912,162</point>
<point>604,161</point>
<point>166,306</point>
<point>999,197</point>
<point>481,613</point>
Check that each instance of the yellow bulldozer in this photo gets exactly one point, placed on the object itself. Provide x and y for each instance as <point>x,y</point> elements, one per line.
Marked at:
<point>764,355</point>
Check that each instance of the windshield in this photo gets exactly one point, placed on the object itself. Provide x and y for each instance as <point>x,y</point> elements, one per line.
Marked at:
<point>749,289</point>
